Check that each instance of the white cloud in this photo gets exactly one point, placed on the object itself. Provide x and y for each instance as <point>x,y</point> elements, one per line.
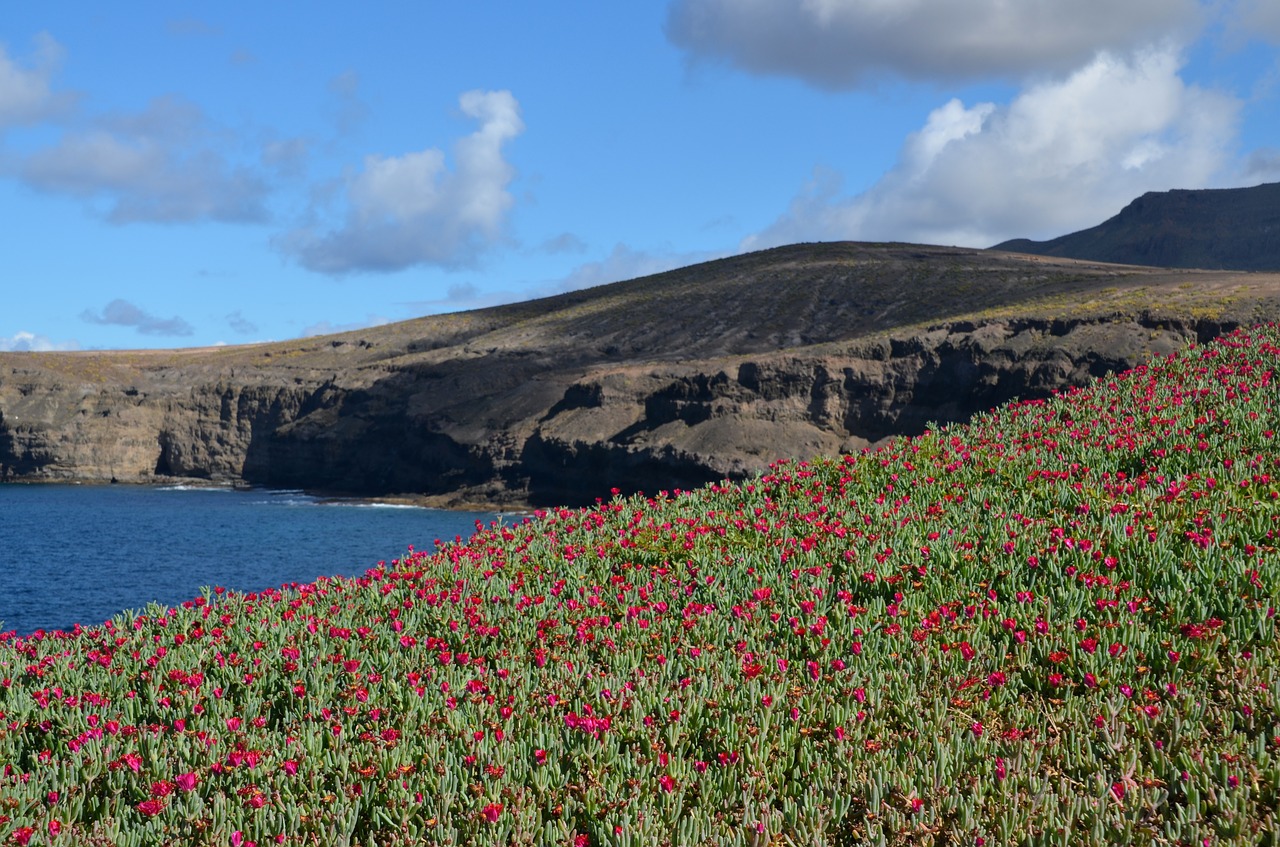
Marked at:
<point>149,166</point>
<point>25,95</point>
<point>844,43</point>
<point>413,210</point>
<point>123,313</point>
<point>1063,155</point>
<point>29,341</point>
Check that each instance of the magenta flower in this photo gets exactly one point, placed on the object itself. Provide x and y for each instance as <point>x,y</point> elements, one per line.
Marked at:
<point>151,808</point>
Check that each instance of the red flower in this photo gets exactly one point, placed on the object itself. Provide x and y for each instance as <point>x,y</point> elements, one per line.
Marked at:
<point>22,835</point>
<point>492,812</point>
<point>667,782</point>
<point>151,808</point>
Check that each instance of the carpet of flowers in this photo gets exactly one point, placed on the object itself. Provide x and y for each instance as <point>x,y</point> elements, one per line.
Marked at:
<point>1055,624</point>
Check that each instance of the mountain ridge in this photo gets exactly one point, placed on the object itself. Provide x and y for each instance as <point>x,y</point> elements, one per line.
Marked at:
<point>1214,229</point>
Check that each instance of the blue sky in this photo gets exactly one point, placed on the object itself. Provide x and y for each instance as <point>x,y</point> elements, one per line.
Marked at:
<point>187,174</point>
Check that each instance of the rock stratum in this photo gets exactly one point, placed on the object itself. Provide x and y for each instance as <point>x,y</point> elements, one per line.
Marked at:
<point>669,381</point>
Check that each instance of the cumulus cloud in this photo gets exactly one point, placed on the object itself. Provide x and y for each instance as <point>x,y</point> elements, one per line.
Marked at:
<point>25,94</point>
<point>149,166</point>
<point>843,43</point>
<point>413,209</point>
<point>1063,155</point>
<point>28,341</point>
<point>123,313</point>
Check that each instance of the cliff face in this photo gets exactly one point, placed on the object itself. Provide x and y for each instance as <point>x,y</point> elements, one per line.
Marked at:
<point>668,382</point>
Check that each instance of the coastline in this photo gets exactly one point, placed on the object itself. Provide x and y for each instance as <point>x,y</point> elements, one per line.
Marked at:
<point>453,502</point>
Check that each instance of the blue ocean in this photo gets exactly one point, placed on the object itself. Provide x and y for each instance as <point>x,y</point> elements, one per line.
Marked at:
<point>83,553</point>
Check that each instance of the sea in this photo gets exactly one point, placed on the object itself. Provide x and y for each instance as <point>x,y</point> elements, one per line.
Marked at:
<point>84,553</point>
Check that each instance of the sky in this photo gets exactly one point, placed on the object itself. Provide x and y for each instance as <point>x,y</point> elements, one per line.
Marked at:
<point>185,174</point>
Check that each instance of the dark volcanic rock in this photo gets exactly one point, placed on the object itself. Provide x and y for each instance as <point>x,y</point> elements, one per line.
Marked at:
<point>665,382</point>
<point>1228,229</point>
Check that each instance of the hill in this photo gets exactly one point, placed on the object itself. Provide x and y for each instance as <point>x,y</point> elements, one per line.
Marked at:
<point>1053,625</point>
<point>668,381</point>
<point>1230,229</point>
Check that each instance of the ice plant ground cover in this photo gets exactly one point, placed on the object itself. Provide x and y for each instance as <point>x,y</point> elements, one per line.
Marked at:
<point>1055,624</point>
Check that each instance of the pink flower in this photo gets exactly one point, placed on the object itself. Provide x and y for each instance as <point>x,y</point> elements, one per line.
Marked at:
<point>151,808</point>
<point>667,782</point>
<point>186,781</point>
<point>492,812</point>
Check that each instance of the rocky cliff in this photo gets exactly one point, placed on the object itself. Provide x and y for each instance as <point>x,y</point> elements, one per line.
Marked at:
<point>665,382</point>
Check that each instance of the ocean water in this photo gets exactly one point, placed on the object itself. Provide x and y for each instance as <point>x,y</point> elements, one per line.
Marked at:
<point>83,553</point>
